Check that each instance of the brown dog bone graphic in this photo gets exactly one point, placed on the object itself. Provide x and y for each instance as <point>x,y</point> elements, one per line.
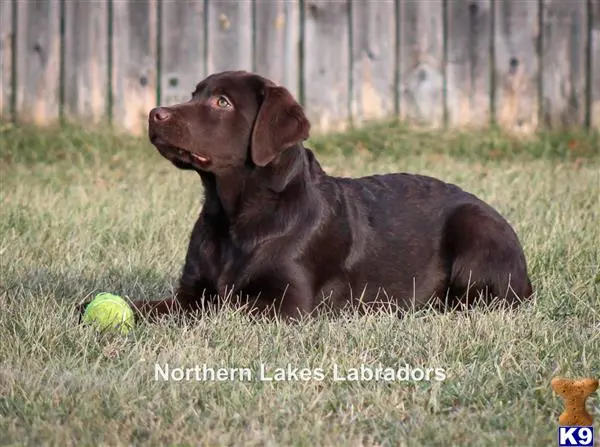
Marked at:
<point>574,393</point>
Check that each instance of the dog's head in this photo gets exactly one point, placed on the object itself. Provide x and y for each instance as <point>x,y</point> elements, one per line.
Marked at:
<point>233,119</point>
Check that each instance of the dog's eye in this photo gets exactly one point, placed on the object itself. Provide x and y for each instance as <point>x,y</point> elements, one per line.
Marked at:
<point>223,102</point>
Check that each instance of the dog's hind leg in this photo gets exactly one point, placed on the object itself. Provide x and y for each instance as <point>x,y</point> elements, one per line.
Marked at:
<point>485,259</point>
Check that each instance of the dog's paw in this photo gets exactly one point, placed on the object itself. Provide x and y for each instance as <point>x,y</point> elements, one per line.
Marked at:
<point>80,310</point>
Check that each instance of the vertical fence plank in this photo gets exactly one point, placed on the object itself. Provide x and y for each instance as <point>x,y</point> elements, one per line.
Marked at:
<point>134,62</point>
<point>335,81</point>
<point>517,64</point>
<point>421,62</point>
<point>373,33</point>
<point>6,42</point>
<point>182,49</point>
<point>326,63</point>
<point>277,42</point>
<point>563,61</point>
<point>469,62</point>
<point>38,61</point>
<point>595,65</point>
<point>229,35</point>
<point>86,60</point>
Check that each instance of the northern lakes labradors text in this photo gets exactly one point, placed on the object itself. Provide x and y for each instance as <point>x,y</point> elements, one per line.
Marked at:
<point>269,373</point>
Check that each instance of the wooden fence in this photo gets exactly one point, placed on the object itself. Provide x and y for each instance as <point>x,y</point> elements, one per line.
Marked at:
<point>519,63</point>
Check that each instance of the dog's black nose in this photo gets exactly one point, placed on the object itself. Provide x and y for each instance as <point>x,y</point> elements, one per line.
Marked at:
<point>160,114</point>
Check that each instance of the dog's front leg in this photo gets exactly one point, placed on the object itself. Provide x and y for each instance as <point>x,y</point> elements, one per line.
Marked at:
<point>185,303</point>
<point>285,295</point>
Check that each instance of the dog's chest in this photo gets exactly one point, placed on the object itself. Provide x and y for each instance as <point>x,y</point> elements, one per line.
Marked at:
<point>235,267</point>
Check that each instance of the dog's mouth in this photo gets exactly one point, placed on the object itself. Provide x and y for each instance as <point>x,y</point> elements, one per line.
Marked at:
<point>181,155</point>
<point>190,157</point>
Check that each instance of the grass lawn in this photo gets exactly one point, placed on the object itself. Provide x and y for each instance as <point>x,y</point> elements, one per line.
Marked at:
<point>84,212</point>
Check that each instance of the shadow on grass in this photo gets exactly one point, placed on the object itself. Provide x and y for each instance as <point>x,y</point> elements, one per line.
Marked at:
<point>489,144</point>
<point>25,144</point>
<point>70,288</point>
<point>74,286</point>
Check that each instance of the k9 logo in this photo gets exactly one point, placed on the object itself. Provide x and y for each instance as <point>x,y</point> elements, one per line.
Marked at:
<point>575,436</point>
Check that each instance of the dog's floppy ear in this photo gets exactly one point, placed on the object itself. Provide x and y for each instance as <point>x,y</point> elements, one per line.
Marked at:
<point>280,123</point>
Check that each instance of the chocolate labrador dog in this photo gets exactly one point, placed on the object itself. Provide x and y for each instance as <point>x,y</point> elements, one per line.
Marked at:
<point>279,234</point>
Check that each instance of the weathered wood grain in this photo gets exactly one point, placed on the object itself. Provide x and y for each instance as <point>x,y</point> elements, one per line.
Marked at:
<point>277,42</point>
<point>595,65</point>
<point>38,61</point>
<point>517,65</point>
<point>134,63</point>
<point>6,42</point>
<point>347,69</point>
<point>373,32</point>
<point>469,62</point>
<point>229,35</point>
<point>564,35</point>
<point>326,63</point>
<point>86,61</point>
<point>421,62</point>
<point>183,62</point>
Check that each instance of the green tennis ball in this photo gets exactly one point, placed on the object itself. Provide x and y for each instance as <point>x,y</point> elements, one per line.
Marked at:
<point>108,311</point>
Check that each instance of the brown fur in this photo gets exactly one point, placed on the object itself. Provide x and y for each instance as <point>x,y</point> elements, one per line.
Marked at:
<point>290,238</point>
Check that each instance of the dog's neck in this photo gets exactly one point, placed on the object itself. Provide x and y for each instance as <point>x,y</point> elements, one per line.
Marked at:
<point>231,191</point>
